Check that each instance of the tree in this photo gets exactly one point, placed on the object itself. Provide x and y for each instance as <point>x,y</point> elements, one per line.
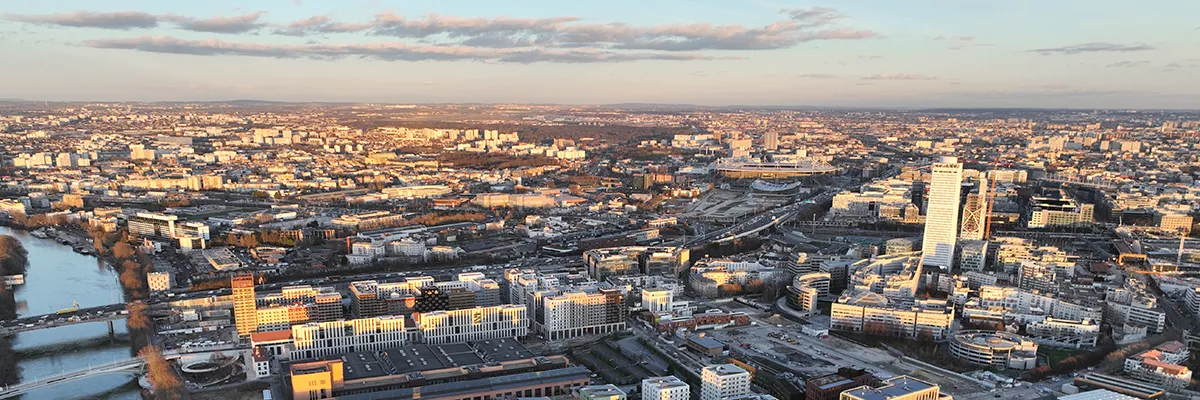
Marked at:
<point>10,372</point>
<point>161,374</point>
<point>137,316</point>
<point>123,250</point>
<point>13,257</point>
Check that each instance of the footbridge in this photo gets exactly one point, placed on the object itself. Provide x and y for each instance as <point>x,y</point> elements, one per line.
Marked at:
<point>130,366</point>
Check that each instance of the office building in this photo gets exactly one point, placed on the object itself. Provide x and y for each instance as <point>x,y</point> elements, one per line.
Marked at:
<point>153,224</point>
<point>322,339</point>
<point>972,255</point>
<point>723,381</point>
<point>899,388</point>
<point>975,213</point>
<point>1133,306</point>
<point>657,300</point>
<point>665,388</point>
<point>600,392</point>
<point>472,324</point>
<point>830,387</point>
<point>994,349</point>
<point>493,369</point>
<point>874,314</point>
<point>941,216</point>
<point>771,141</point>
<point>806,290</point>
<point>245,304</point>
<point>1064,332</point>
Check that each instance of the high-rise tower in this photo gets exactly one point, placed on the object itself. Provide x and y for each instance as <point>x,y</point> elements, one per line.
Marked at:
<point>245,305</point>
<point>975,213</point>
<point>941,216</point>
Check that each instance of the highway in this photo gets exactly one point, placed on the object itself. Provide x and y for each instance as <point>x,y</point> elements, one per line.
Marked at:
<point>760,222</point>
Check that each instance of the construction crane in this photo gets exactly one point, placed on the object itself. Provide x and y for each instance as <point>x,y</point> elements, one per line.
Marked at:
<point>987,214</point>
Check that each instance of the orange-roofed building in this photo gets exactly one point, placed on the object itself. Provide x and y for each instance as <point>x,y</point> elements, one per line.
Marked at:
<point>1160,366</point>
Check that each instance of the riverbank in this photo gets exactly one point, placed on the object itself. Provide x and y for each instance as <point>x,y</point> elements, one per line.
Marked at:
<point>58,276</point>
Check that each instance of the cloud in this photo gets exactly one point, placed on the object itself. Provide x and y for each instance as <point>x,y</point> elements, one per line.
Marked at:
<point>899,77</point>
<point>235,24</point>
<point>817,76</point>
<point>395,51</point>
<point>125,20</point>
<point>1095,47</point>
<point>1186,63</point>
<point>121,20</point>
<point>814,16</point>
<point>1127,64</point>
<point>558,32</point>
<point>571,32</point>
<point>960,38</point>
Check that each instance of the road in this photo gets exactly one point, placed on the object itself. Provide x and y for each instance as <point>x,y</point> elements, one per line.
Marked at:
<point>840,352</point>
<point>109,312</point>
<point>760,221</point>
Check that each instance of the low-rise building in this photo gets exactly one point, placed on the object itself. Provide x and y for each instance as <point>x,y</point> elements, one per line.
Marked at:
<point>1161,366</point>
<point>994,349</point>
<point>723,381</point>
<point>665,388</point>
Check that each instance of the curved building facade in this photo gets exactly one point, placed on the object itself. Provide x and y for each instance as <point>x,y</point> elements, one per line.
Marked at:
<point>995,348</point>
<point>806,289</point>
<point>769,171</point>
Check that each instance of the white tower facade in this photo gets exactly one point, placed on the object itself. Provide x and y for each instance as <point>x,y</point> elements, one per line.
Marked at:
<point>941,218</point>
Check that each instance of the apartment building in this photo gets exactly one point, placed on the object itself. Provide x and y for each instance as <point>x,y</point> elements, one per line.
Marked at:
<point>723,381</point>
<point>322,339</point>
<point>578,313</point>
<point>1161,366</point>
<point>472,324</point>
<point>874,314</point>
<point>665,388</point>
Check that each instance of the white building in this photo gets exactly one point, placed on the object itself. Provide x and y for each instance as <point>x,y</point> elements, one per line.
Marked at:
<point>320,339</point>
<point>581,313</point>
<point>873,314</point>
<point>723,381</point>
<point>657,300</point>
<point>158,281</point>
<point>994,349</point>
<point>665,388</point>
<point>1064,332</point>
<point>472,324</point>
<point>1161,366</point>
<point>941,217</point>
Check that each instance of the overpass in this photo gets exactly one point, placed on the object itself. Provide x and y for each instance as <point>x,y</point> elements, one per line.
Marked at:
<point>130,366</point>
<point>106,313</point>
<point>757,223</point>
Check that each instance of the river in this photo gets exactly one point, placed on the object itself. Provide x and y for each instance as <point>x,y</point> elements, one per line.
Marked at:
<point>56,277</point>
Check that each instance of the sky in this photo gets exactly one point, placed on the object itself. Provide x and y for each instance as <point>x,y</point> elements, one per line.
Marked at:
<point>837,53</point>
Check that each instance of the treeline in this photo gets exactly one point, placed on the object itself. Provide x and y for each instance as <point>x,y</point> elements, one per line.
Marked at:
<point>432,219</point>
<point>131,265</point>
<point>493,160</point>
<point>1107,351</point>
<point>38,221</point>
<point>14,259</point>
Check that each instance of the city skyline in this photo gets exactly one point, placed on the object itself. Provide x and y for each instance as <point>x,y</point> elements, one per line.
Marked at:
<point>820,54</point>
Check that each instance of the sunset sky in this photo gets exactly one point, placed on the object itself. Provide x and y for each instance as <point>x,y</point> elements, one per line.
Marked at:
<point>885,53</point>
